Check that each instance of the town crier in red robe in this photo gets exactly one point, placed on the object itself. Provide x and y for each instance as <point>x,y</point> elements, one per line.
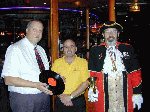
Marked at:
<point>118,73</point>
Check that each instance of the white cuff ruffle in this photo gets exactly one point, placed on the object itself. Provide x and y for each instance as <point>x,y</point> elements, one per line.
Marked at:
<point>137,99</point>
<point>92,97</point>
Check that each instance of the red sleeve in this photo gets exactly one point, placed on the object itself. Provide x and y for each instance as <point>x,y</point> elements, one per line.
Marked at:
<point>136,81</point>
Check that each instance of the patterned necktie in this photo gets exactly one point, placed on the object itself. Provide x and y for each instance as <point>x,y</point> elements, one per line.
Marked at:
<point>113,58</point>
<point>39,60</point>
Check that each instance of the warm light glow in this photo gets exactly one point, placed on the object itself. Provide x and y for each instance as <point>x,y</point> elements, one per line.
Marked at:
<point>135,7</point>
<point>2,33</point>
<point>96,28</point>
<point>77,3</point>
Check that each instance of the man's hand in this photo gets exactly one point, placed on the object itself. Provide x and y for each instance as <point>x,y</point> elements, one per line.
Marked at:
<point>43,87</point>
<point>92,97</point>
<point>66,99</point>
<point>137,100</point>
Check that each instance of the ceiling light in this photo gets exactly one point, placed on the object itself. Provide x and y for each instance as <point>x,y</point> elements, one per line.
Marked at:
<point>135,7</point>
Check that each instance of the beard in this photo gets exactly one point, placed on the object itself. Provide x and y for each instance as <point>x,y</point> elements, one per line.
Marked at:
<point>111,40</point>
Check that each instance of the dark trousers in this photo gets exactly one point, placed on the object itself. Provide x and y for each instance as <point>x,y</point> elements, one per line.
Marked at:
<point>4,100</point>
<point>79,105</point>
<point>29,102</point>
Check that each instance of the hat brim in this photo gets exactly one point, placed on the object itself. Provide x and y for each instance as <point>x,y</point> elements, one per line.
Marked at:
<point>114,25</point>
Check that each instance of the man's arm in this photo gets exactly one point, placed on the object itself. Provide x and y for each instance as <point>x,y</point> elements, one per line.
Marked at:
<point>19,82</point>
<point>66,98</point>
<point>81,88</point>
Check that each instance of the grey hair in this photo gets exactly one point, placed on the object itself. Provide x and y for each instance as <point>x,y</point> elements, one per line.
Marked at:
<point>30,23</point>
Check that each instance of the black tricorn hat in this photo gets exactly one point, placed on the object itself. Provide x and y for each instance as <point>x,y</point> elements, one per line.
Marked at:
<point>53,80</point>
<point>111,24</point>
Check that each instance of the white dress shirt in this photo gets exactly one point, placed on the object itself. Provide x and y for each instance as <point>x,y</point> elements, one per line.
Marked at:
<point>20,61</point>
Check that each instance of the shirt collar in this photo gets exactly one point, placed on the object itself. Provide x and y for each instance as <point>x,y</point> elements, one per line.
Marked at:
<point>74,58</point>
<point>27,42</point>
<point>117,44</point>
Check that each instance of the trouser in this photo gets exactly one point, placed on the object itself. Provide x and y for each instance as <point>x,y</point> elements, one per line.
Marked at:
<point>29,102</point>
<point>4,101</point>
<point>79,105</point>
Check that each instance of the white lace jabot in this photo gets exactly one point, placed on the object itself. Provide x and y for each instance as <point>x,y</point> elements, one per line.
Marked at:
<point>116,56</point>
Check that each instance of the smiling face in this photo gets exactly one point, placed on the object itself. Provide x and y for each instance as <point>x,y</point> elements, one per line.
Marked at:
<point>111,35</point>
<point>69,48</point>
<point>34,31</point>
